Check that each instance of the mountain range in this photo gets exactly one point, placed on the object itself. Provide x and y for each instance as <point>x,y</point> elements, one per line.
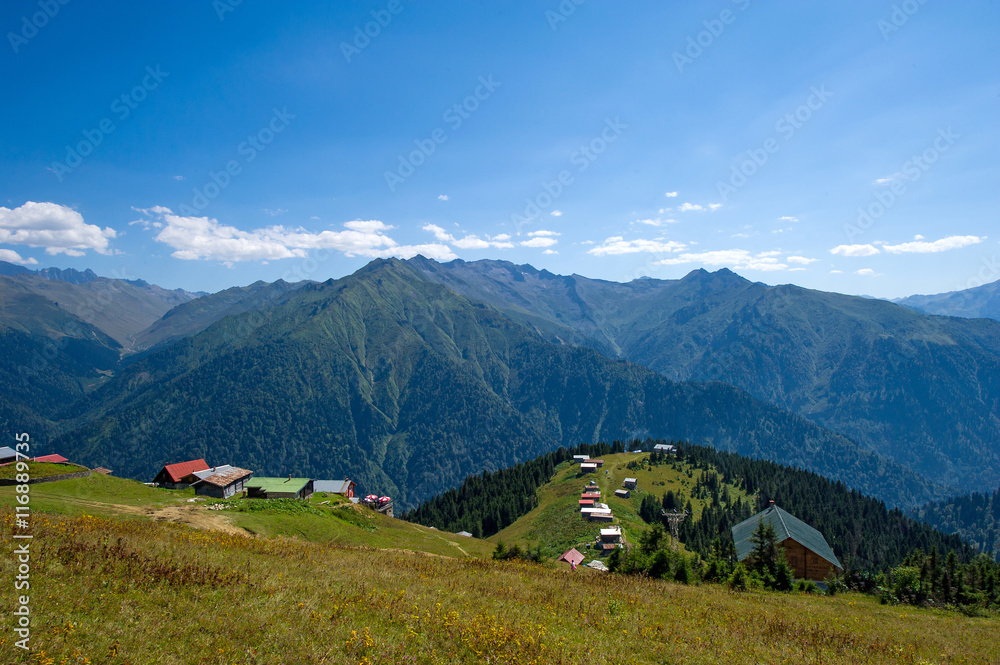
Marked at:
<point>408,376</point>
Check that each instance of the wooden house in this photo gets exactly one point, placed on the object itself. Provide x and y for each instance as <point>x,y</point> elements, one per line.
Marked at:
<point>344,487</point>
<point>580,458</point>
<point>586,503</point>
<point>598,462</point>
<point>664,448</point>
<point>178,476</point>
<point>629,483</point>
<point>588,467</point>
<point>622,493</point>
<point>221,482</point>
<point>7,454</point>
<point>806,550</point>
<point>279,488</point>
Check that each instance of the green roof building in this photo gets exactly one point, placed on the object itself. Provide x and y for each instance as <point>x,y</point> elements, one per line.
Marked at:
<point>806,550</point>
<point>279,488</point>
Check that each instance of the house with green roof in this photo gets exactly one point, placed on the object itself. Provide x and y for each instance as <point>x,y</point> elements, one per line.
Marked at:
<point>279,488</point>
<point>806,550</point>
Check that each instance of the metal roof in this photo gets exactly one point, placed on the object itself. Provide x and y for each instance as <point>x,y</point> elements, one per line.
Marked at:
<point>179,470</point>
<point>278,484</point>
<point>53,458</point>
<point>571,556</point>
<point>785,526</point>
<point>6,452</point>
<point>333,486</point>
<point>206,473</point>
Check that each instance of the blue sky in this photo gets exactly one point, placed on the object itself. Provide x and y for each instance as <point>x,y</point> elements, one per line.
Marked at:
<point>846,147</point>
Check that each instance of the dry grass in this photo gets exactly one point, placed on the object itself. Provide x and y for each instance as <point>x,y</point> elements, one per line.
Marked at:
<point>112,590</point>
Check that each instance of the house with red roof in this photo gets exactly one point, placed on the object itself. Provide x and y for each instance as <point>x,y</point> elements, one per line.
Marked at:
<point>180,475</point>
<point>572,557</point>
<point>52,459</point>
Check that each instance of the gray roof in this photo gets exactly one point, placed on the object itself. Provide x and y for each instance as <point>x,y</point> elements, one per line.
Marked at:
<point>785,526</point>
<point>207,473</point>
<point>6,452</point>
<point>332,486</point>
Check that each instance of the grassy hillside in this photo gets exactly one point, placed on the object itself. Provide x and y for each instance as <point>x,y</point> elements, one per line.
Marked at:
<point>323,519</point>
<point>112,590</point>
<point>556,523</point>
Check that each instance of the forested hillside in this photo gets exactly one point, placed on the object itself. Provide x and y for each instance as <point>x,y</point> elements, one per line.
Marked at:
<point>921,390</point>
<point>863,532</point>
<point>397,382</point>
<point>975,517</point>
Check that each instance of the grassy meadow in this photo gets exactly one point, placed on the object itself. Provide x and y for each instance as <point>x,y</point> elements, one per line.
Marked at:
<point>142,576</point>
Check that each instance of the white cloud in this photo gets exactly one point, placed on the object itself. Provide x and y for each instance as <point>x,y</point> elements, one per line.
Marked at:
<point>618,245</point>
<point>204,238</point>
<point>738,259</point>
<point>60,230</point>
<point>655,222</point>
<point>671,195</point>
<point>918,237</point>
<point>556,213</point>
<point>696,207</point>
<point>836,272</point>
<point>539,241</point>
<point>471,241</point>
<point>865,272</point>
<point>543,232</point>
<point>740,235</point>
<point>275,212</point>
<point>788,218</point>
<point>10,256</point>
<point>801,260</point>
<point>884,181</point>
<point>942,245</point>
<point>550,251</point>
<point>442,197</point>
<point>855,250</point>
<point>178,177</point>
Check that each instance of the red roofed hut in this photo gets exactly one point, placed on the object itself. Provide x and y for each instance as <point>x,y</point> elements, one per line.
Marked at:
<point>572,557</point>
<point>172,476</point>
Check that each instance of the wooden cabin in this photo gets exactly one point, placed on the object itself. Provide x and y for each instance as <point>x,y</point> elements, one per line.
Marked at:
<point>806,550</point>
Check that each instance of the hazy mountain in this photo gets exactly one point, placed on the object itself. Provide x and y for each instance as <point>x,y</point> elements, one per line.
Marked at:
<point>921,390</point>
<point>196,315</point>
<point>392,379</point>
<point>68,275</point>
<point>119,308</point>
<point>981,302</point>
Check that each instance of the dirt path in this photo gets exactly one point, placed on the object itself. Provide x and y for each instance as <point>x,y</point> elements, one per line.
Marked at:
<point>194,516</point>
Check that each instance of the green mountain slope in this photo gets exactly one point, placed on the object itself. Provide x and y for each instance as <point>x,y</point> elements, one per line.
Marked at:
<point>397,382</point>
<point>194,316</point>
<point>921,390</point>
